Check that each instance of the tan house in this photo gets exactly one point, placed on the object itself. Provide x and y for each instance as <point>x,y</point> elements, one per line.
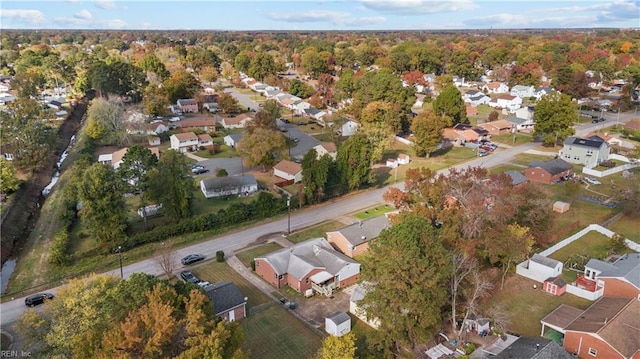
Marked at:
<point>239,121</point>
<point>183,142</point>
<point>353,240</point>
<point>288,170</point>
<point>203,124</point>
<point>498,127</point>
<point>326,148</point>
<point>204,140</point>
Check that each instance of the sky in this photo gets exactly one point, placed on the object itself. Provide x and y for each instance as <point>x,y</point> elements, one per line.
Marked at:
<point>317,15</point>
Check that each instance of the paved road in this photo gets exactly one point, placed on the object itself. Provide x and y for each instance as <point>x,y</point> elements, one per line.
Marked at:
<point>244,100</point>
<point>10,311</point>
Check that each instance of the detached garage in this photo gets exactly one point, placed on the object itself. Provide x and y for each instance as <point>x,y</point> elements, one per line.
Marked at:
<point>338,324</point>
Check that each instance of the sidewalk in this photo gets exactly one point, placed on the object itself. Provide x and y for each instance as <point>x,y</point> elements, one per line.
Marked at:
<point>195,157</point>
<point>541,153</point>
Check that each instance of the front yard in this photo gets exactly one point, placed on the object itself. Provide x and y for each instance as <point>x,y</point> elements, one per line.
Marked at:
<point>374,212</point>
<point>247,255</point>
<point>317,231</point>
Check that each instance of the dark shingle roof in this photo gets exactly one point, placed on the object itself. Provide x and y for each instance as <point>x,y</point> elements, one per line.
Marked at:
<point>516,177</point>
<point>533,348</point>
<point>363,231</point>
<point>593,141</point>
<point>627,266</point>
<point>225,295</point>
<point>554,167</point>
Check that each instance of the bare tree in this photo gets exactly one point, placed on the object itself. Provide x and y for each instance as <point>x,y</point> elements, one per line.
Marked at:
<point>462,265</point>
<point>479,286</point>
<point>166,259</point>
<point>499,317</point>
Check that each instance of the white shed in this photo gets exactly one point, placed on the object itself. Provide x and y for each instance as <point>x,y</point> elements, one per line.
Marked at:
<point>338,324</point>
<point>544,267</point>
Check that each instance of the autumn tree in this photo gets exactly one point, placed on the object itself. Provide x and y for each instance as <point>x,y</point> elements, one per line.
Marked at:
<point>8,180</point>
<point>427,130</point>
<point>404,266</point>
<point>382,86</point>
<point>450,106</point>
<point>354,162</point>
<point>171,186</point>
<point>262,119</point>
<point>179,85</point>
<point>134,171</point>
<point>152,63</point>
<point>117,78</point>
<point>227,103</point>
<point>28,84</point>
<point>333,347</point>
<point>272,108</point>
<point>106,123</point>
<point>508,248</point>
<point>155,100</point>
<point>325,89</point>
<point>315,62</point>
<point>261,65</point>
<point>380,123</point>
<point>300,89</point>
<point>554,117</point>
<point>261,147</point>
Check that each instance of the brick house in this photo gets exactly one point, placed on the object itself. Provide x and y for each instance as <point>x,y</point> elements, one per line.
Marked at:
<point>548,172</point>
<point>307,267</point>
<point>607,329</point>
<point>202,124</point>
<point>353,240</point>
<point>187,105</point>
<point>228,302</point>
<point>619,279</point>
<point>471,133</point>
<point>498,127</point>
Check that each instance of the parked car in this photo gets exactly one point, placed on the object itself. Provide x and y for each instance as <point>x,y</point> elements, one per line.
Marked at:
<point>199,170</point>
<point>192,258</point>
<point>189,277</point>
<point>483,153</point>
<point>37,299</point>
<point>592,180</point>
<point>204,284</point>
<point>296,140</point>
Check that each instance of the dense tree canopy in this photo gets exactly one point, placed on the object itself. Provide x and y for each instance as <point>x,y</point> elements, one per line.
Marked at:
<point>262,147</point>
<point>554,116</point>
<point>427,129</point>
<point>171,186</point>
<point>450,106</point>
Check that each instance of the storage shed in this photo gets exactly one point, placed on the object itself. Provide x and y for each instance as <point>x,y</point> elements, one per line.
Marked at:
<point>555,285</point>
<point>338,324</point>
<point>561,207</point>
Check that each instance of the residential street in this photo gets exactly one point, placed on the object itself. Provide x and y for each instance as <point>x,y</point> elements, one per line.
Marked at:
<point>11,310</point>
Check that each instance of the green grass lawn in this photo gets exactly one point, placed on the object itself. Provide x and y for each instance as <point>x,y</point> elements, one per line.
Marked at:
<point>526,306</point>
<point>316,231</point>
<point>504,168</point>
<point>508,139</point>
<point>525,158</point>
<point>220,272</point>
<point>247,255</point>
<point>201,204</point>
<point>628,227</point>
<point>362,332</point>
<point>374,212</point>
<point>275,334</point>
<point>225,151</point>
<point>591,245</point>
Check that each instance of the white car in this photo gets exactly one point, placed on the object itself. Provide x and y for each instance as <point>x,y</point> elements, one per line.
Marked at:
<point>592,180</point>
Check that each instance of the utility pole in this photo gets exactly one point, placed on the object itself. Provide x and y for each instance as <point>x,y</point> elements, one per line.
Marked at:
<point>119,251</point>
<point>289,215</point>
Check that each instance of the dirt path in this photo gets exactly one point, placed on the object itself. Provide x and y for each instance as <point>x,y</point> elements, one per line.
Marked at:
<point>23,213</point>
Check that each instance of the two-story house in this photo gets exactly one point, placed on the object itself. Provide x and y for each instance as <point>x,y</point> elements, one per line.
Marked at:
<point>187,105</point>
<point>588,152</point>
<point>523,91</point>
<point>184,142</point>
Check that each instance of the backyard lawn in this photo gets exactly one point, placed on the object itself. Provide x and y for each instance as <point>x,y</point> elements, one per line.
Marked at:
<point>316,231</point>
<point>628,227</point>
<point>220,272</point>
<point>247,255</point>
<point>591,245</point>
<point>525,306</point>
<point>200,204</point>
<point>273,333</point>
<point>374,212</point>
<point>525,158</point>
<point>508,139</point>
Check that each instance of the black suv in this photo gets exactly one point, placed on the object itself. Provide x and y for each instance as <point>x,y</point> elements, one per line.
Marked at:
<point>189,277</point>
<point>37,299</point>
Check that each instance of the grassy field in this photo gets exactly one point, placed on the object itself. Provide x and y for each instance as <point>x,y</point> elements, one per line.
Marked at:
<point>520,138</point>
<point>225,151</point>
<point>275,334</point>
<point>525,158</point>
<point>628,227</point>
<point>316,231</point>
<point>247,255</point>
<point>220,272</point>
<point>200,204</point>
<point>374,212</point>
<point>591,245</point>
<point>525,306</point>
<point>504,168</point>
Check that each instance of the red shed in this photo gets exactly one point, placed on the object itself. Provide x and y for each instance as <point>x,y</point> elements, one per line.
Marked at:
<point>555,285</point>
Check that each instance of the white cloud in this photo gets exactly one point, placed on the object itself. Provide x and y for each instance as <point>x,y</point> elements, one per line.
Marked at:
<point>106,4</point>
<point>419,7</point>
<point>78,23</point>
<point>361,21</point>
<point>83,14</point>
<point>113,24</point>
<point>309,16</point>
<point>516,21</point>
<point>32,17</point>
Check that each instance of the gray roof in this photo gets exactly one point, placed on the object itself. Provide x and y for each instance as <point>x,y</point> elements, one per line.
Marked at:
<point>545,261</point>
<point>516,120</point>
<point>554,167</point>
<point>225,295</point>
<point>364,231</point>
<point>533,348</point>
<point>520,88</point>
<point>358,293</point>
<point>300,259</point>
<point>627,266</point>
<point>186,101</point>
<point>235,137</point>
<point>516,177</point>
<point>311,111</point>
<point>229,182</point>
<point>339,318</point>
<point>591,142</point>
<point>472,93</point>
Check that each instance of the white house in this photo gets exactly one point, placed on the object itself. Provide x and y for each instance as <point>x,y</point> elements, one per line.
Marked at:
<point>301,106</point>
<point>232,139</point>
<point>6,97</point>
<point>403,159</point>
<point>314,113</point>
<point>288,170</point>
<point>521,123</point>
<point>508,102</point>
<point>522,91</point>
<point>588,152</point>
<point>338,324</point>
<point>542,91</point>
<point>154,141</point>
<point>496,87</point>
<point>228,186</point>
<point>458,81</point>
<point>357,309</point>
<point>349,128</point>
<point>239,121</point>
<point>183,142</point>
<point>115,158</point>
<point>478,99</point>
<point>326,148</point>
<point>540,268</point>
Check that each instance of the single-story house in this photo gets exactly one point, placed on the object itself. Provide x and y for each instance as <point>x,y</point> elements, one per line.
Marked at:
<point>607,329</point>
<point>211,107</point>
<point>452,137</point>
<point>228,302</point>
<point>349,128</point>
<point>353,240</point>
<point>228,186</point>
<point>521,123</point>
<point>200,124</point>
<point>539,92</point>
<point>588,152</point>
<point>338,324</point>
<point>496,87</point>
<point>271,94</point>
<point>523,91</point>
<point>187,105</point>
<point>517,178</point>
<point>619,279</point>
<point>301,106</point>
<point>308,266</point>
<point>471,133</point>
<point>475,98</point>
<point>326,148</point>
<point>157,127</point>
<point>239,121</point>
<point>359,310</point>
<point>498,127</point>
<point>403,159</point>
<point>6,98</point>
<point>392,163</point>
<point>183,142</point>
<point>288,170</point>
<point>115,158</point>
<point>55,105</point>
<point>549,171</point>
<point>314,113</point>
<point>533,348</point>
<point>232,139</point>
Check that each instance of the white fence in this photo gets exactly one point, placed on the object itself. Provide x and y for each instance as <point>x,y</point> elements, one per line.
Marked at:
<point>523,270</point>
<point>629,165</point>
<point>583,293</point>
<point>404,140</point>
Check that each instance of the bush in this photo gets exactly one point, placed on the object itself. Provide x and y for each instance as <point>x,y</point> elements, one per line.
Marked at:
<point>253,265</point>
<point>220,256</point>
<point>469,348</point>
<point>59,255</point>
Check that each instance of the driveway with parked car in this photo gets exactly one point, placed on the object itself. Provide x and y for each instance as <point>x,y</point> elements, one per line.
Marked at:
<point>233,165</point>
<point>303,142</point>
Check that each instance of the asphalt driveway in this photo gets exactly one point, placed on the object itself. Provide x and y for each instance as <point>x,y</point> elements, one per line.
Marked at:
<point>305,142</point>
<point>233,166</point>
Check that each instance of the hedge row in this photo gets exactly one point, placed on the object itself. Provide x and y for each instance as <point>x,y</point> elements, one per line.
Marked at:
<point>59,248</point>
